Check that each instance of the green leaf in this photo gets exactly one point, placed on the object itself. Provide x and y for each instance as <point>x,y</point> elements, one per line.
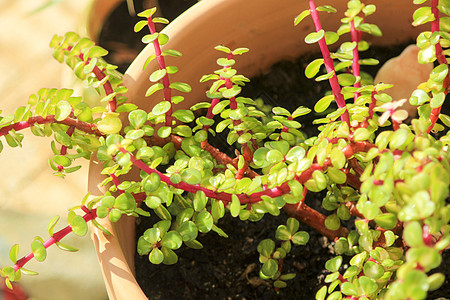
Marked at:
<point>170,257</point>
<point>412,234</point>
<point>333,264</point>
<point>217,210</point>
<point>140,25</point>
<point>373,270</point>
<point>235,206</point>
<point>266,247</point>
<point>172,240</point>
<point>156,256</point>
<point>38,249</point>
<point>154,88</point>
<point>125,202</point>
<point>321,293</point>
<point>419,97</point>
<point>332,222</point>
<point>231,92</point>
<point>279,284</point>
<point>348,288</point>
<point>147,13</point>
<point>368,285</point>
<point>204,221</point>
<point>331,37</point>
<point>361,134</point>
<point>160,20</point>
<point>181,86</point>
<point>161,108</point>
<point>327,8</point>
<point>386,220</point>
<point>301,16</point>
<point>96,51</point>
<point>199,201</point>
<point>188,231</point>
<point>313,67</point>
<point>13,253</point>
<point>282,233</point>
<point>225,62</point>
<point>437,100</point>
<point>389,237</point>
<point>346,79</point>
<point>314,37</point>
<point>399,138</point>
<point>184,115</point>
<point>300,238</point>
<point>114,215</point>
<point>65,247</point>
<point>51,225</point>
<point>62,110</point>
<point>422,15</point>
<point>274,156</point>
<point>427,54</point>
<point>171,52</point>
<point>110,124</point>
<point>63,138</point>
<point>79,225</point>
<point>323,103</point>
<point>270,267</point>
<point>435,281</point>
<point>338,158</point>
<point>191,176</point>
<point>164,131</point>
<point>163,39</point>
<point>149,38</point>
<point>158,75</point>
<point>337,176</point>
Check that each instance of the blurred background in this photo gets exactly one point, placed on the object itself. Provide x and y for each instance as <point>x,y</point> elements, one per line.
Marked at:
<point>30,195</point>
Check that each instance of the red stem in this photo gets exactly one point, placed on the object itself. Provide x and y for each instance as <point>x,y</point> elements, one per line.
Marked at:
<point>162,65</point>
<point>313,218</point>
<point>435,112</point>
<point>112,104</point>
<point>83,126</point>
<point>57,236</point>
<point>356,37</point>
<point>328,61</point>
<point>63,150</point>
<point>100,75</point>
<point>348,151</point>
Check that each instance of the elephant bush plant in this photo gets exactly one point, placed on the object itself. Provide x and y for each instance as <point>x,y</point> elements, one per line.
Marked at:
<point>384,170</point>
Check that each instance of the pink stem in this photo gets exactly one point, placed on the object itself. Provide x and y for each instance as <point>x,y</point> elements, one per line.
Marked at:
<point>100,75</point>
<point>328,61</point>
<point>435,112</point>
<point>112,104</point>
<point>83,126</point>
<point>57,236</point>
<point>356,37</point>
<point>162,66</point>
<point>63,150</point>
<point>348,151</point>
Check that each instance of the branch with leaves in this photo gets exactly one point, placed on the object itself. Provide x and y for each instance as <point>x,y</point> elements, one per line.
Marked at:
<point>387,177</point>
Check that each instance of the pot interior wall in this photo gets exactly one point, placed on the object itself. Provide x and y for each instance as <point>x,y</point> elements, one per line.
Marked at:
<point>271,36</point>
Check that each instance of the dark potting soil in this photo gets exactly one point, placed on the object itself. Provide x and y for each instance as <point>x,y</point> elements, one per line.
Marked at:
<point>118,36</point>
<point>227,268</point>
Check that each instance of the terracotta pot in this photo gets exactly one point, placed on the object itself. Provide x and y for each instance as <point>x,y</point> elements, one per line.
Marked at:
<point>263,26</point>
<point>96,15</point>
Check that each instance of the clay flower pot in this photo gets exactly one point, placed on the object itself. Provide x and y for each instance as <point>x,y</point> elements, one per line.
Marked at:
<point>267,29</point>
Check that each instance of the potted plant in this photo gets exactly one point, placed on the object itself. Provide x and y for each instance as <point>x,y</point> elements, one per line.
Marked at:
<point>394,182</point>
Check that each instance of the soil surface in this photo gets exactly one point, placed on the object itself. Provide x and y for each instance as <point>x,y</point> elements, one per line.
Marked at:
<point>227,268</point>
